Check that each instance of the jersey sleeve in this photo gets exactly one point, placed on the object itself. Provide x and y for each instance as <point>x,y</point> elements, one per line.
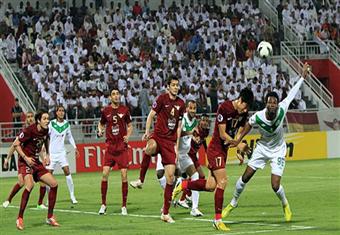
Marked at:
<point>103,118</point>
<point>221,115</point>
<point>158,104</point>
<point>291,94</point>
<point>70,137</point>
<point>25,135</point>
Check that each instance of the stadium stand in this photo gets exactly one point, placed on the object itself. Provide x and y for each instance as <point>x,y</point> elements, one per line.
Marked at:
<point>75,55</point>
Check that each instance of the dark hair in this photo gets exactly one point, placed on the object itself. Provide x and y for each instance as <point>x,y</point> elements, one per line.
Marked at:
<point>171,78</point>
<point>189,101</point>
<point>272,94</point>
<point>204,115</point>
<point>38,115</point>
<point>247,96</point>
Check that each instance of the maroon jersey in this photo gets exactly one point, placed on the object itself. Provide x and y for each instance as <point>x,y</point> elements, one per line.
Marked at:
<point>226,114</point>
<point>116,121</point>
<point>32,140</point>
<point>169,113</point>
<point>203,133</point>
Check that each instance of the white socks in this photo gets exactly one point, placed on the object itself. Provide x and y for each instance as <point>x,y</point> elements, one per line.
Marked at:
<point>70,185</point>
<point>162,182</point>
<point>281,195</point>
<point>240,185</point>
<point>195,194</point>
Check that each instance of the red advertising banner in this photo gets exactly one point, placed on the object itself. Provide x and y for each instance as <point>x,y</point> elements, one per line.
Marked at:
<point>92,156</point>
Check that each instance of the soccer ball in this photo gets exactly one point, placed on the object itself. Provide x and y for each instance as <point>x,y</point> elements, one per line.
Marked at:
<point>265,49</point>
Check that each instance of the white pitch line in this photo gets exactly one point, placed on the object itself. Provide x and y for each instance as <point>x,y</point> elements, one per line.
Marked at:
<point>292,227</point>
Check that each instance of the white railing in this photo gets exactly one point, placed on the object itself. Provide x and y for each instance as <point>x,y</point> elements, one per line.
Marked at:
<point>313,83</point>
<point>15,85</point>
<point>271,13</point>
<point>307,49</point>
<point>334,52</point>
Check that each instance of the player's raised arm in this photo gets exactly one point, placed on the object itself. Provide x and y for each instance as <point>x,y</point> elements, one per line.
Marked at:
<point>292,93</point>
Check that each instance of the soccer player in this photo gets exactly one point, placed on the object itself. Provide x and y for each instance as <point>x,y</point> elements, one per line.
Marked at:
<point>28,145</point>
<point>186,165</point>
<point>193,168</point>
<point>271,146</point>
<point>16,188</point>
<point>164,140</point>
<point>203,132</point>
<point>231,116</point>
<point>116,121</point>
<point>58,129</point>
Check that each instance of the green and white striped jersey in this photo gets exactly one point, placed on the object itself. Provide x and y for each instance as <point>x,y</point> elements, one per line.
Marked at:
<point>58,131</point>
<point>272,131</point>
<point>185,141</point>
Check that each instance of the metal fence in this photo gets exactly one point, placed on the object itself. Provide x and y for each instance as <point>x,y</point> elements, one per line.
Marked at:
<point>84,130</point>
<point>15,85</point>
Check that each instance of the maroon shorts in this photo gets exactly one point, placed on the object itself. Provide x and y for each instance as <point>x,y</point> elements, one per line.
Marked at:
<point>166,148</point>
<point>37,170</point>
<point>216,158</point>
<point>121,158</point>
<point>195,160</point>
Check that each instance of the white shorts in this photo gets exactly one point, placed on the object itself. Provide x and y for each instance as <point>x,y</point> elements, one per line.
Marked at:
<point>159,165</point>
<point>59,158</point>
<point>276,158</point>
<point>184,162</point>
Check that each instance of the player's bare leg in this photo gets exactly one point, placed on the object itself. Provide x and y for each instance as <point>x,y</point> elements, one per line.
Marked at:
<point>279,191</point>
<point>16,188</point>
<point>239,187</point>
<point>70,185</point>
<point>104,183</point>
<point>49,180</point>
<point>150,150</point>
<point>29,183</point>
<point>169,175</point>
<point>124,190</point>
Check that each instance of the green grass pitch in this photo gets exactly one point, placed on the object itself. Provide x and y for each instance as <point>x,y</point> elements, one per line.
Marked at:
<point>312,188</point>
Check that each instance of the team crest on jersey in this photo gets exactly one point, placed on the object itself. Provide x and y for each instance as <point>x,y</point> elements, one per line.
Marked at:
<point>154,105</point>
<point>177,107</point>
<point>120,115</point>
<point>220,118</point>
<point>21,135</point>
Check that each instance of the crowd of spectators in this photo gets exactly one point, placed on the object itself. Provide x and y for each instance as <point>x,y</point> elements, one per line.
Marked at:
<point>75,55</point>
<point>313,19</point>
